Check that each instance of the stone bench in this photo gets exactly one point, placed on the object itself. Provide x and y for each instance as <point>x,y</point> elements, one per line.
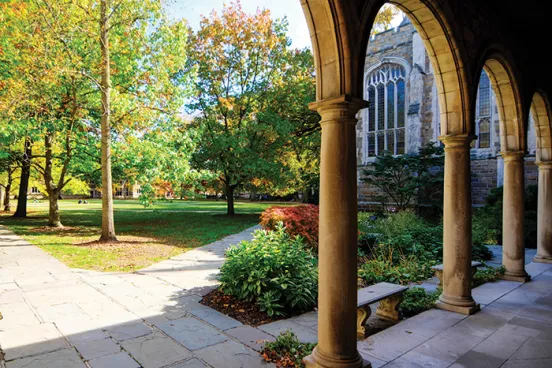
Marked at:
<point>389,295</point>
<point>439,271</point>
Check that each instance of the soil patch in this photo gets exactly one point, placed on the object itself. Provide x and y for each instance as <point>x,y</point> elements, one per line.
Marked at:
<point>247,313</point>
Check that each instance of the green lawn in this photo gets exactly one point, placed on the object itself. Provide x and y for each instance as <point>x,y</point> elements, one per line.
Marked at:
<point>147,235</point>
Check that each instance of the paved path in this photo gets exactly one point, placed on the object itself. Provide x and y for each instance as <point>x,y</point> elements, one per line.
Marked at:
<point>57,317</point>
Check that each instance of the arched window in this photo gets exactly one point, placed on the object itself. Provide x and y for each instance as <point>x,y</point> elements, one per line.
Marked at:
<point>484,112</point>
<point>386,115</point>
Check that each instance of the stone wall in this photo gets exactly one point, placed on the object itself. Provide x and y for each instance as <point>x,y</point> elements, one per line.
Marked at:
<point>484,178</point>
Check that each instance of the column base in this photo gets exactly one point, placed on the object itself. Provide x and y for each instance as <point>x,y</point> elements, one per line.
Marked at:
<point>466,307</point>
<point>516,278</point>
<point>542,259</point>
<point>316,360</point>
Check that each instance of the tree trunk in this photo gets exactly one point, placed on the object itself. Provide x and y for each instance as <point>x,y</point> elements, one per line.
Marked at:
<point>21,211</point>
<point>53,215</point>
<point>230,200</point>
<point>7,204</point>
<point>108,223</point>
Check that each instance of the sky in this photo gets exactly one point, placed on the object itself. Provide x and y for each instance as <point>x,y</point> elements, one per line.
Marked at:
<point>297,30</point>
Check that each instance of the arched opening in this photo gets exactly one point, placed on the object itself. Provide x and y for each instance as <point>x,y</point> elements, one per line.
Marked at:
<point>513,146</point>
<point>540,114</point>
<point>512,132</point>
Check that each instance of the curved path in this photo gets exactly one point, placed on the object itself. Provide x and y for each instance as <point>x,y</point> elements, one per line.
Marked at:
<point>57,317</point>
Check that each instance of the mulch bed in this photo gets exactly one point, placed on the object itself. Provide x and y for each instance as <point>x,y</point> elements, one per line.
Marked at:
<point>247,313</point>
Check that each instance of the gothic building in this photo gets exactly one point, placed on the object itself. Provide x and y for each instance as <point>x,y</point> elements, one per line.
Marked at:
<point>404,115</point>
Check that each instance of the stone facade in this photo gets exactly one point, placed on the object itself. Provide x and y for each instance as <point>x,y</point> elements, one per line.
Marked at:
<point>403,46</point>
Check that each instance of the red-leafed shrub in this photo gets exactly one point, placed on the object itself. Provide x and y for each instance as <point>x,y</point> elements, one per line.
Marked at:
<point>299,220</point>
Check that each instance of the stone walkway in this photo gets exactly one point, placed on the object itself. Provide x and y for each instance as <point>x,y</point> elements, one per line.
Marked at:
<point>56,317</point>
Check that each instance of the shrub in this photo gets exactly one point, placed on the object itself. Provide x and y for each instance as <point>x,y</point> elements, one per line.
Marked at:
<point>487,274</point>
<point>411,235</point>
<point>407,177</point>
<point>487,221</point>
<point>416,300</point>
<point>404,271</point>
<point>287,351</point>
<point>275,270</point>
<point>298,220</point>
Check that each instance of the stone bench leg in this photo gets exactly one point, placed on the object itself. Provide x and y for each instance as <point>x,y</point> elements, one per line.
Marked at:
<point>363,313</point>
<point>439,274</point>
<point>389,308</point>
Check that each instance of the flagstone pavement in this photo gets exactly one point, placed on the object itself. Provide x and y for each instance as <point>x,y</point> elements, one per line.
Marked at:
<point>57,317</point>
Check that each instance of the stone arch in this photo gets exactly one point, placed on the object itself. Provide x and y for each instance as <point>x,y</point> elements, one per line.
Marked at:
<point>333,28</point>
<point>540,111</point>
<point>508,101</point>
<point>445,56</point>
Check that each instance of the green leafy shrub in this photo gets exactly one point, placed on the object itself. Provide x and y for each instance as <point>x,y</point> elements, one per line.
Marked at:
<point>416,300</point>
<point>411,235</point>
<point>487,274</point>
<point>287,351</point>
<point>404,271</point>
<point>487,221</point>
<point>275,270</point>
<point>405,178</point>
<point>298,220</point>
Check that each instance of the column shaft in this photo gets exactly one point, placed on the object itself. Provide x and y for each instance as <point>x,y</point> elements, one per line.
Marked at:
<point>513,245</point>
<point>544,220</point>
<point>337,300</point>
<point>457,227</point>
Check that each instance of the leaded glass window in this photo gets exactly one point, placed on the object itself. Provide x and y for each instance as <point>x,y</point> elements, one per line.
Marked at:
<point>385,89</point>
<point>483,117</point>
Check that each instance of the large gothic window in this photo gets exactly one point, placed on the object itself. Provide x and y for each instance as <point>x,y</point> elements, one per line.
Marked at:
<point>386,116</point>
<point>483,116</point>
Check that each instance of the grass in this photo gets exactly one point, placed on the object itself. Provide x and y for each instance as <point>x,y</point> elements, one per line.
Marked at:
<point>146,236</point>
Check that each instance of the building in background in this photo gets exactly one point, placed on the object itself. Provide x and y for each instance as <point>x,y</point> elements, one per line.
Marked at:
<point>403,115</point>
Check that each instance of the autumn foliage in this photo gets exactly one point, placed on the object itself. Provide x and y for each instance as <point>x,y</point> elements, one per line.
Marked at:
<point>299,220</point>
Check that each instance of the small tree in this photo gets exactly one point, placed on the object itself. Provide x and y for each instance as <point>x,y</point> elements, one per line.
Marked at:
<point>403,178</point>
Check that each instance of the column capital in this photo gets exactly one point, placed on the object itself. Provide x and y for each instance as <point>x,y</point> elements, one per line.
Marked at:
<point>456,141</point>
<point>512,155</point>
<point>339,109</point>
<point>544,165</point>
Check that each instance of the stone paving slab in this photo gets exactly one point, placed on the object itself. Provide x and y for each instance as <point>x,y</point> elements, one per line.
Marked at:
<point>250,336</point>
<point>66,358</point>
<point>119,360</point>
<point>232,354</point>
<point>129,331</point>
<point>97,349</point>
<point>304,334</point>
<point>192,363</point>
<point>31,340</point>
<point>192,333</point>
<point>155,350</point>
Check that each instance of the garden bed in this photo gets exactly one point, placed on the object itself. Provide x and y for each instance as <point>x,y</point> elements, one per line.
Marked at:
<point>247,313</point>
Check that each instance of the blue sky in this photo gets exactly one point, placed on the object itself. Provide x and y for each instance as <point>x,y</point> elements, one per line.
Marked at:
<point>298,30</point>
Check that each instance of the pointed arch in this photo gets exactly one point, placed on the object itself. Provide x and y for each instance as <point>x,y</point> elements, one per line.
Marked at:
<point>442,49</point>
<point>508,101</point>
<point>540,112</point>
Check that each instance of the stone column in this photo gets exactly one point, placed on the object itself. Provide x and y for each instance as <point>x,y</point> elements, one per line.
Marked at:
<point>544,221</point>
<point>457,227</point>
<point>337,250</point>
<point>513,245</point>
